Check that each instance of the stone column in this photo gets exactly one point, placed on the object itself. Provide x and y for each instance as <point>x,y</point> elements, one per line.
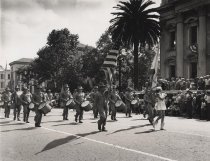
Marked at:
<point>202,43</point>
<point>179,47</point>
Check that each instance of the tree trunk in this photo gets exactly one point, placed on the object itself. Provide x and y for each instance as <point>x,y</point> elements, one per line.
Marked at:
<point>136,68</point>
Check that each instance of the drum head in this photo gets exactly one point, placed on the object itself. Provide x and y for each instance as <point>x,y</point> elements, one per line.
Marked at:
<point>134,102</point>
<point>69,102</point>
<point>84,104</point>
<point>41,106</point>
<point>118,103</point>
<point>31,106</point>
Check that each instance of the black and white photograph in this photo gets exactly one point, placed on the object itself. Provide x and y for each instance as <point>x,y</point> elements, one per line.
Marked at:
<point>104,80</point>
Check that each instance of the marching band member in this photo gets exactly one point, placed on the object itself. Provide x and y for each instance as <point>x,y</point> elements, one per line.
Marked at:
<point>113,98</point>
<point>79,99</point>
<point>25,98</point>
<point>65,96</point>
<point>49,95</point>
<point>128,99</point>
<point>17,103</point>
<point>137,107</point>
<point>160,107</point>
<point>38,98</point>
<point>6,98</point>
<point>149,99</point>
<point>100,100</point>
<point>92,97</point>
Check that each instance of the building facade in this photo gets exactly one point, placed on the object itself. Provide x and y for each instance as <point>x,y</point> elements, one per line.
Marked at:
<point>185,38</point>
<point>14,66</point>
<point>5,76</point>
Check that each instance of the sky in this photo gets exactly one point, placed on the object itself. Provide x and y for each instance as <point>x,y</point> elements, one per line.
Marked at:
<point>25,24</point>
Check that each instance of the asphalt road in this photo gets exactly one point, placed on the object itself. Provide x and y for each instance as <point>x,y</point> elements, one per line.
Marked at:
<point>128,139</point>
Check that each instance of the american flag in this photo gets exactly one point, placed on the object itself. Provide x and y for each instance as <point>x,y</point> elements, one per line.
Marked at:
<point>109,65</point>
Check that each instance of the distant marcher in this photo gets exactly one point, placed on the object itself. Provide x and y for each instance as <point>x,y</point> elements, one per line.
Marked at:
<point>100,100</point>
<point>65,96</point>
<point>149,99</point>
<point>128,98</point>
<point>16,103</point>
<point>26,98</point>
<point>7,99</point>
<point>79,99</point>
<point>113,98</point>
<point>38,98</point>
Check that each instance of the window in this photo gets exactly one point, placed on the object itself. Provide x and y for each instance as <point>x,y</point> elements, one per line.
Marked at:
<point>2,76</point>
<point>172,40</point>
<point>2,84</point>
<point>8,76</point>
<point>193,35</point>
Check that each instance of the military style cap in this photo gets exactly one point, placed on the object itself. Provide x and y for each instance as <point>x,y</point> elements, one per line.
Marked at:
<point>25,88</point>
<point>66,86</point>
<point>79,87</point>
<point>39,87</point>
<point>95,87</point>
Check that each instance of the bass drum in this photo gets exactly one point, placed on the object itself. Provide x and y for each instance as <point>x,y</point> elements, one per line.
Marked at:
<point>86,106</point>
<point>47,108</point>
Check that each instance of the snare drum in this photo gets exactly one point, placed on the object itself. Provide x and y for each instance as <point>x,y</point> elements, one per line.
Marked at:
<point>31,106</point>
<point>45,108</point>
<point>118,103</point>
<point>41,105</point>
<point>86,106</point>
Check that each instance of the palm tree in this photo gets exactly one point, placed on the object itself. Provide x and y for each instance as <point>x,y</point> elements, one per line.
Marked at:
<point>135,23</point>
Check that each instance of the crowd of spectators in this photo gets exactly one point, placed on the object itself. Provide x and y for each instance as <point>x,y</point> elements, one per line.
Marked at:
<point>188,97</point>
<point>199,83</point>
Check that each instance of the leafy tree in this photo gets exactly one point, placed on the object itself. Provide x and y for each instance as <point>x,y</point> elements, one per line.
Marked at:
<point>56,58</point>
<point>135,24</point>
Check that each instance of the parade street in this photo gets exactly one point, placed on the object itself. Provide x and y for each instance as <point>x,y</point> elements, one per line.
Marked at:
<point>128,139</point>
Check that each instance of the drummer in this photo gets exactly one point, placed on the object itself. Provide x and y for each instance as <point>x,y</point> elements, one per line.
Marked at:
<point>92,98</point>
<point>128,99</point>
<point>79,99</point>
<point>16,102</point>
<point>113,98</point>
<point>137,107</point>
<point>7,98</point>
<point>149,99</point>
<point>65,96</point>
<point>49,95</point>
<point>25,98</point>
<point>38,98</point>
<point>100,100</point>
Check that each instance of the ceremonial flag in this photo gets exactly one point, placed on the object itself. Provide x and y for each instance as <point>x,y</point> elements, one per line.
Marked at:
<point>154,68</point>
<point>109,65</point>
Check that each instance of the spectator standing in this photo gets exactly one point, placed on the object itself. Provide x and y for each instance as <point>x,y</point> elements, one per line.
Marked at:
<point>207,98</point>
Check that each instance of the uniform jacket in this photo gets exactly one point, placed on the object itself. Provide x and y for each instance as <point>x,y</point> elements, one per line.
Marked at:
<point>26,98</point>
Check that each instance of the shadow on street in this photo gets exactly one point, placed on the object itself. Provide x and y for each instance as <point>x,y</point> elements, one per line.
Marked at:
<point>28,128</point>
<point>59,142</point>
<point>132,127</point>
